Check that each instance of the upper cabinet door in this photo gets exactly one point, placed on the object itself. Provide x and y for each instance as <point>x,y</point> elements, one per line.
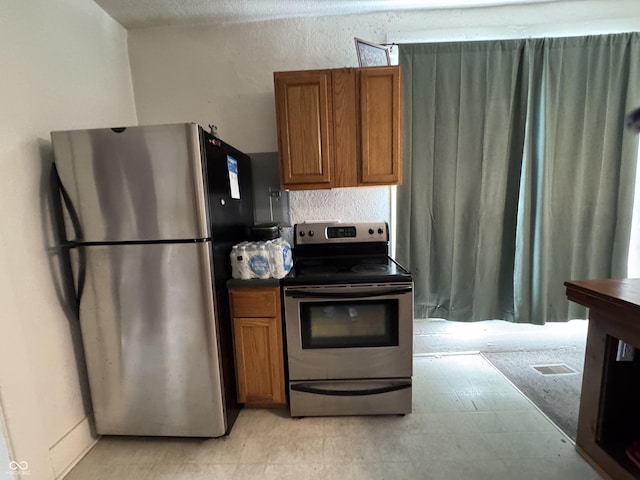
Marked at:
<point>380,125</point>
<point>345,127</point>
<point>305,128</point>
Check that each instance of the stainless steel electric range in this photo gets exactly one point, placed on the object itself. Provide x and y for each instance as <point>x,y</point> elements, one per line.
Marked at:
<point>349,322</point>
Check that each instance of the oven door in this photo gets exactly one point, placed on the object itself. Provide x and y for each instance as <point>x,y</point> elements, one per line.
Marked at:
<point>354,331</point>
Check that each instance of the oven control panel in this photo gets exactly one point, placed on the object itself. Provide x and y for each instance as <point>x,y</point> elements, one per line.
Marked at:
<point>332,232</point>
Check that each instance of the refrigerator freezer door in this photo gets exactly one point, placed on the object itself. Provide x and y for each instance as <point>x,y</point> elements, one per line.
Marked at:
<point>132,184</point>
<point>150,338</point>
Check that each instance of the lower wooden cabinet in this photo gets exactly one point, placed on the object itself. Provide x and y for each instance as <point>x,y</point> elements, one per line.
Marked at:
<point>258,347</point>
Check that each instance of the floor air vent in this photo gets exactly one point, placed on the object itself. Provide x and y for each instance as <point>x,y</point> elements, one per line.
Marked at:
<point>554,369</point>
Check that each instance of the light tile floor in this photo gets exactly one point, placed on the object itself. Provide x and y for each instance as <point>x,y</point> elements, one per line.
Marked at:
<point>468,422</point>
<point>437,335</point>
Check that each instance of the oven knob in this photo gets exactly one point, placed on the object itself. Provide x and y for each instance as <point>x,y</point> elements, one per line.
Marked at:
<point>371,231</point>
<point>301,234</point>
<point>380,231</point>
<point>311,233</point>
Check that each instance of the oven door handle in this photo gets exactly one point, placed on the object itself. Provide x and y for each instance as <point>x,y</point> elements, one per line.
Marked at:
<point>314,294</point>
<point>392,387</point>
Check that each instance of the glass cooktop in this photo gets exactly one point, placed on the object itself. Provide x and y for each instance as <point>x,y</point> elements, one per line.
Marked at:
<point>354,269</point>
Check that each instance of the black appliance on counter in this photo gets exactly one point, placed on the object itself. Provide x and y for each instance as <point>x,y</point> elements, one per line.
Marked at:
<point>348,312</point>
<point>264,231</point>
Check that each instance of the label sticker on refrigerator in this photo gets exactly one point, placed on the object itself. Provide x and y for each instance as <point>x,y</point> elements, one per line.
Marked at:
<point>232,166</point>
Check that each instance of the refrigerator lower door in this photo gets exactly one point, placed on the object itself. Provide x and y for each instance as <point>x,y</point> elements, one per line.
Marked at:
<point>148,321</point>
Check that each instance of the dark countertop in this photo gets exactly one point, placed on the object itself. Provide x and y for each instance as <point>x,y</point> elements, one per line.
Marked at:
<point>253,283</point>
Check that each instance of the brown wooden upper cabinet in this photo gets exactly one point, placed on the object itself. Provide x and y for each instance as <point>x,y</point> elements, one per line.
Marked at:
<point>339,127</point>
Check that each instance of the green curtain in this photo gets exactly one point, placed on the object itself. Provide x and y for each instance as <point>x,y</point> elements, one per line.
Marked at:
<point>457,208</point>
<point>577,189</point>
<point>518,172</point>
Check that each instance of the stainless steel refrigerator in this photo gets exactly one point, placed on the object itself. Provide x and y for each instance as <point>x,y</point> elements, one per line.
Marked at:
<point>150,215</point>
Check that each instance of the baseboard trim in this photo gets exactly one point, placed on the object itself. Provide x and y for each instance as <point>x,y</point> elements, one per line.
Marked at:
<point>72,447</point>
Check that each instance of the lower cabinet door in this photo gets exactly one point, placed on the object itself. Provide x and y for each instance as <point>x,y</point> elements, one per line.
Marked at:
<point>259,361</point>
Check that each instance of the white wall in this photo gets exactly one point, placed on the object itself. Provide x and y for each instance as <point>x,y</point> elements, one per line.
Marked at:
<point>634,248</point>
<point>64,65</point>
<point>5,458</point>
<point>223,74</point>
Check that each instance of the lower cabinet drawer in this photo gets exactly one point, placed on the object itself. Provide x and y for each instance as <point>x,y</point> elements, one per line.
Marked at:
<point>350,397</point>
<point>255,302</point>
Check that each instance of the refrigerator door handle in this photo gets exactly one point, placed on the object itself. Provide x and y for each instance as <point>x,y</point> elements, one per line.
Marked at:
<point>67,246</point>
<point>68,204</point>
<point>196,150</point>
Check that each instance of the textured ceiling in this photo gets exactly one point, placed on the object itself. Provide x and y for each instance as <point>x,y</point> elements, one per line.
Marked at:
<point>149,13</point>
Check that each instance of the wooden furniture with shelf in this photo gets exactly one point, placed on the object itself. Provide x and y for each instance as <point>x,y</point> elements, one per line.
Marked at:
<point>258,346</point>
<point>609,416</point>
<point>339,127</point>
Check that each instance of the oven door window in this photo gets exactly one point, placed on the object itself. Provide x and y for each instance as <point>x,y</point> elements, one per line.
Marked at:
<point>372,323</point>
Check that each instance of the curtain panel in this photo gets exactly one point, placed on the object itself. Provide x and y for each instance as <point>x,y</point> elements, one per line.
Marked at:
<point>519,173</point>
